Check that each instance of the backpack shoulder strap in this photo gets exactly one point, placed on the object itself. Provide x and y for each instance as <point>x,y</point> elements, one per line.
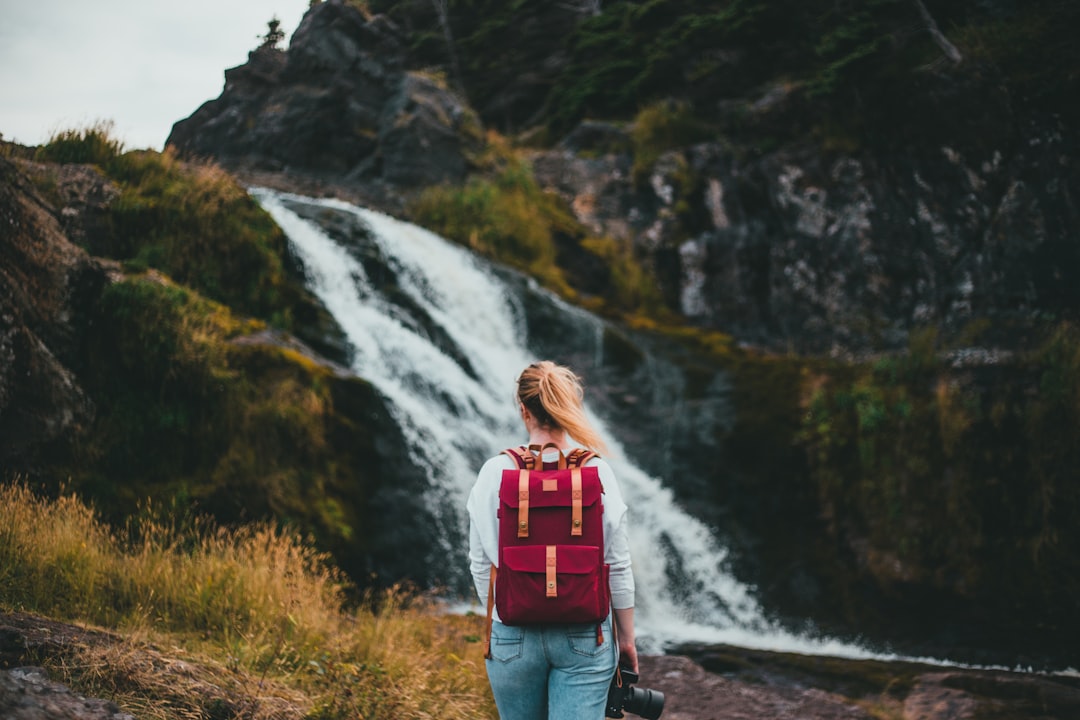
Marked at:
<point>579,456</point>
<point>521,457</point>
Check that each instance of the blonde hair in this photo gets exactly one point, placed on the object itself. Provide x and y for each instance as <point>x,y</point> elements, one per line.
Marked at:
<point>553,394</point>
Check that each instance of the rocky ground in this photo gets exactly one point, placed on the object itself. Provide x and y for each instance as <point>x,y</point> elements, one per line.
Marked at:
<point>700,683</point>
<point>714,682</point>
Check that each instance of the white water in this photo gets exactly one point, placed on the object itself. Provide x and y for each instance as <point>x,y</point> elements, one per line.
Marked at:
<point>440,406</point>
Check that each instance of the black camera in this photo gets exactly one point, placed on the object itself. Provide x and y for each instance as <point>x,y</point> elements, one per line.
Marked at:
<point>639,701</point>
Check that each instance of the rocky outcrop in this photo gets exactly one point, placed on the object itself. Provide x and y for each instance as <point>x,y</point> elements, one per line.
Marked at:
<point>337,106</point>
<point>188,688</point>
<point>845,251</point>
<point>46,286</point>
<point>699,682</point>
<point>26,693</point>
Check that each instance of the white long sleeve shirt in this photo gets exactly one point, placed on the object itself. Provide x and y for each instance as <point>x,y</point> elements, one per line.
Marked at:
<point>483,506</point>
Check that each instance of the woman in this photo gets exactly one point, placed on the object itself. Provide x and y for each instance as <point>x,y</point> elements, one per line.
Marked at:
<point>556,672</point>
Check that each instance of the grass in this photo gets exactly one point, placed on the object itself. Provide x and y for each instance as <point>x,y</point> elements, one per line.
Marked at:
<point>255,620</point>
<point>190,220</point>
<point>93,144</point>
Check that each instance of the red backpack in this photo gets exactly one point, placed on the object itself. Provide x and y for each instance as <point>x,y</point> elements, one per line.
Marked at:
<point>551,541</point>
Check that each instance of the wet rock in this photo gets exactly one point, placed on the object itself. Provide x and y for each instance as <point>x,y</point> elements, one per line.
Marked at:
<point>691,693</point>
<point>730,682</point>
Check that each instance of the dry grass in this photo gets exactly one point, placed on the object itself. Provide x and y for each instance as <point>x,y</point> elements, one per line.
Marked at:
<point>253,622</point>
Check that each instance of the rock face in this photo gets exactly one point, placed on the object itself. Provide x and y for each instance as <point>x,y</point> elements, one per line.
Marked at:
<point>338,106</point>
<point>46,285</point>
<point>965,213</point>
<point>819,251</point>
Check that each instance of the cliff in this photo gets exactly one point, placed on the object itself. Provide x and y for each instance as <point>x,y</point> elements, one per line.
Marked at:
<point>797,206</point>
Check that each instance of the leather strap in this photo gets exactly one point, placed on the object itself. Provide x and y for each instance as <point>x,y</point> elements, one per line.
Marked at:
<point>552,585</point>
<point>521,456</point>
<point>541,449</point>
<point>579,456</point>
<point>614,636</point>
<point>490,607</point>
<point>575,499</point>
<point>523,504</point>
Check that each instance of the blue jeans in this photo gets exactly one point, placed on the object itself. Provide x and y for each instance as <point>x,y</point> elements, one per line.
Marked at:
<point>551,672</point>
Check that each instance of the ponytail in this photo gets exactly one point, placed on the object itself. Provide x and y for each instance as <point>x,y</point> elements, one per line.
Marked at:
<point>553,394</point>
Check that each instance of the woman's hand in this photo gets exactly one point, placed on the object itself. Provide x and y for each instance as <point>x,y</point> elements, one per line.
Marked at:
<point>624,631</point>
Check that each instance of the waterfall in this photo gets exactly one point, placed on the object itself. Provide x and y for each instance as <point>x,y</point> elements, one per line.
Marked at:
<point>445,350</point>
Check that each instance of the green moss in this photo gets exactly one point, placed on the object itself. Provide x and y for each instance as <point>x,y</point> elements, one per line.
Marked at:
<point>661,127</point>
<point>506,217</point>
<point>192,221</point>
<point>191,419</point>
<point>197,225</point>
<point>962,482</point>
<point>633,290</point>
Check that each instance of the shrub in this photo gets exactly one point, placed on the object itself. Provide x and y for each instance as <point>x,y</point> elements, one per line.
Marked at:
<point>194,222</point>
<point>661,127</point>
<point>93,144</point>
<point>507,219</point>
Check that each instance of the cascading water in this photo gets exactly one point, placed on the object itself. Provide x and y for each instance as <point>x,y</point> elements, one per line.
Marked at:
<point>445,351</point>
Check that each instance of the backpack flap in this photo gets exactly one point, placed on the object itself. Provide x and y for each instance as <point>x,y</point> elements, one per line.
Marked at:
<point>569,559</point>
<point>549,583</point>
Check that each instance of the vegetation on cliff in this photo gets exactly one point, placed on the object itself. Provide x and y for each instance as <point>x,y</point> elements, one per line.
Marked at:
<point>191,221</point>
<point>201,403</point>
<point>855,57</point>
<point>943,476</point>
<point>504,215</point>
<point>958,480</point>
<point>937,485</point>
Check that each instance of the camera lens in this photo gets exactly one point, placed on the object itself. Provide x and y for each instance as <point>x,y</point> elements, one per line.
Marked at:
<point>645,702</point>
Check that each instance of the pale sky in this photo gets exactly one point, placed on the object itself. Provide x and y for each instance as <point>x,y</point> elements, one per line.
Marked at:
<point>143,64</point>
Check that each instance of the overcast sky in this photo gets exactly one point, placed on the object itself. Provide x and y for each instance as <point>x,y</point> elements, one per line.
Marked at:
<point>141,63</point>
